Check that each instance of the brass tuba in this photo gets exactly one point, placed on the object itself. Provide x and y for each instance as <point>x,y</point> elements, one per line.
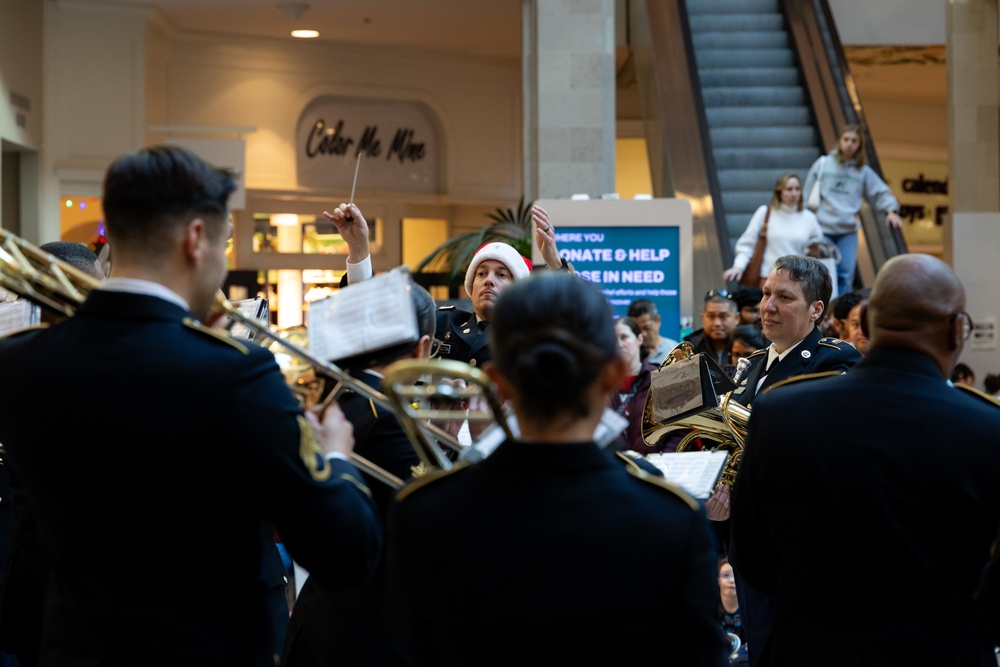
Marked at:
<point>724,424</point>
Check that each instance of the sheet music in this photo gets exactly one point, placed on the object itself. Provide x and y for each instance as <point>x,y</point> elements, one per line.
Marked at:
<point>364,317</point>
<point>16,315</point>
<point>695,472</point>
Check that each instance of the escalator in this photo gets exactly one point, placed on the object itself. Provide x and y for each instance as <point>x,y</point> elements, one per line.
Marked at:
<point>735,93</point>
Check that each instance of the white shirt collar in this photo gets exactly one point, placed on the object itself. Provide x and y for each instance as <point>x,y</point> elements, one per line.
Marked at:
<point>146,287</point>
<point>772,353</point>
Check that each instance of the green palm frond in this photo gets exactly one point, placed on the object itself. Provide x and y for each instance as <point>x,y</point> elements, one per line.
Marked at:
<point>453,256</point>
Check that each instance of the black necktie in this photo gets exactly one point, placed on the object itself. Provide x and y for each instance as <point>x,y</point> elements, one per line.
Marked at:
<point>771,364</point>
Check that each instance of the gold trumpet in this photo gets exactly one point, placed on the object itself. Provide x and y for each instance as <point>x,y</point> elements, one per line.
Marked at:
<point>724,424</point>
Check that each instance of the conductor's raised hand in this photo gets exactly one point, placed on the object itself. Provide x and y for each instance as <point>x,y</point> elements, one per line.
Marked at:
<point>545,237</point>
<point>353,228</point>
<point>334,434</point>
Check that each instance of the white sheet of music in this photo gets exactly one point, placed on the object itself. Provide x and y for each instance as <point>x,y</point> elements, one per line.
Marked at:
<point>695,472</point>
<point>16,315</point>
<point>364,317</point>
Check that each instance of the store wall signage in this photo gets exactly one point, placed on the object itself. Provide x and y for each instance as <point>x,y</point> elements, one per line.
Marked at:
<point>397,142</point>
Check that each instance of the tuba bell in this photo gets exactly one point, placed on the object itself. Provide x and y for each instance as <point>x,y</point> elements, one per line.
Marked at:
<point>724,424</point>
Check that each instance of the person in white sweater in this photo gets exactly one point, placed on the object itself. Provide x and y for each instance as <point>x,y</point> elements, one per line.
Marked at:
<point>790,229</point>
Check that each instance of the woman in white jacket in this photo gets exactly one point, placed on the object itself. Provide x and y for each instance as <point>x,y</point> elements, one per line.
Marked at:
<point>790,230</point>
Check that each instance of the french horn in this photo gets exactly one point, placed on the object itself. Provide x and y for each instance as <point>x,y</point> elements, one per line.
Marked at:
<point>724,424</point>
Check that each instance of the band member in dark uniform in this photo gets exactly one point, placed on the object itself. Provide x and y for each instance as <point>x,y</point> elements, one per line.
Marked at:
<point>493,267</point>
<point>796,294</point>
<point>152,531</point>
<point>881,482</point>
<point>463,334</point>
<point>530,575</point>
<point>331,627</point>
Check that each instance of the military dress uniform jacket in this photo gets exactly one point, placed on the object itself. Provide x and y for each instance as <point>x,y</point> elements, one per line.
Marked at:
<point>330,627</point>
<point>153,535</point>
<point>461,337</point>
<point>877,492</point>
<point>524,557</point>
<point>815,354</point>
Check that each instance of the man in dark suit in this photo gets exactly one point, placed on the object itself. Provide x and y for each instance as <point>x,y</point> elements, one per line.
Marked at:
<point>153,535</point>
<point>796,294</point>
<point>900,505</point>
<point>347,627</point>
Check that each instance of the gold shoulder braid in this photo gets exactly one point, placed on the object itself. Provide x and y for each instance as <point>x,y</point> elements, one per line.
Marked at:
<point>800,378</point>
<point>15,332</point>
<point>310,452</point>
<point>976,392</point>
<point>683,495</point>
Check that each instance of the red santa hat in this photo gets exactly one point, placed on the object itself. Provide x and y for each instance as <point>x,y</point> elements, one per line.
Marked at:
<point>518,265</point>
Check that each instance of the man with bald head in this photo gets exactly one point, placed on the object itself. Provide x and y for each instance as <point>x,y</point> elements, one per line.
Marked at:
<point>877,487</point>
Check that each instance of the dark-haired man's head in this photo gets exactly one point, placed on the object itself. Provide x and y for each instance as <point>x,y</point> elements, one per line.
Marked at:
<point>77,255</point>
<point>645,314</point>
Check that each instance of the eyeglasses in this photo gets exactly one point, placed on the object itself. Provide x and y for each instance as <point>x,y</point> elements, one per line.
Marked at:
<point>435,347</point>
<point>967,324</point>
<point>718,292</point>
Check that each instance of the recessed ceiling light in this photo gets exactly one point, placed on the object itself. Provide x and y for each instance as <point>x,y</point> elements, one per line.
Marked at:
<point>305,34</point>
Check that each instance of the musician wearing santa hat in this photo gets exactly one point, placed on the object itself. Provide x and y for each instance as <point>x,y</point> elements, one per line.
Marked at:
<point>494,266</point>
<point>463,334</point>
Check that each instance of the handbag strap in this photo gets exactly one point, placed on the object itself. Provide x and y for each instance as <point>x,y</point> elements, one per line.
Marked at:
<point>763,228</point>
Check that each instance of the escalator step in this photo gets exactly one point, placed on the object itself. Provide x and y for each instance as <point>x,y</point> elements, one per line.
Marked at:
<point>743,39</point>
<point>757,116</point>
<point>748,58</point>
<point>736,22</point>
<point>763,158</point>
<point>700,7</point>
<point>761,137</point>
<point>729,96</point>
<point>738,76</point>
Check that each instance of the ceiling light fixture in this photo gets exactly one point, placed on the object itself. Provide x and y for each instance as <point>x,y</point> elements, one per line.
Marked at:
<point>293,10</point>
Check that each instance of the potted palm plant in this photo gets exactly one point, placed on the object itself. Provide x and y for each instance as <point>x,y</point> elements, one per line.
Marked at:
<point>451,258</point>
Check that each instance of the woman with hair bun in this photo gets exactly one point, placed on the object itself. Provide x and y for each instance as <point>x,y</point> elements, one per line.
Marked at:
<point>530,541</point>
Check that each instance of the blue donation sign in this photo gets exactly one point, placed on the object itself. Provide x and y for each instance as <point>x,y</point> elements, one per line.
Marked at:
<point>629,263</point>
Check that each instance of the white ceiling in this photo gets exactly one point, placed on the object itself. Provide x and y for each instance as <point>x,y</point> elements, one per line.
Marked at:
<point>455,27</point>
<point>489,28</point>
